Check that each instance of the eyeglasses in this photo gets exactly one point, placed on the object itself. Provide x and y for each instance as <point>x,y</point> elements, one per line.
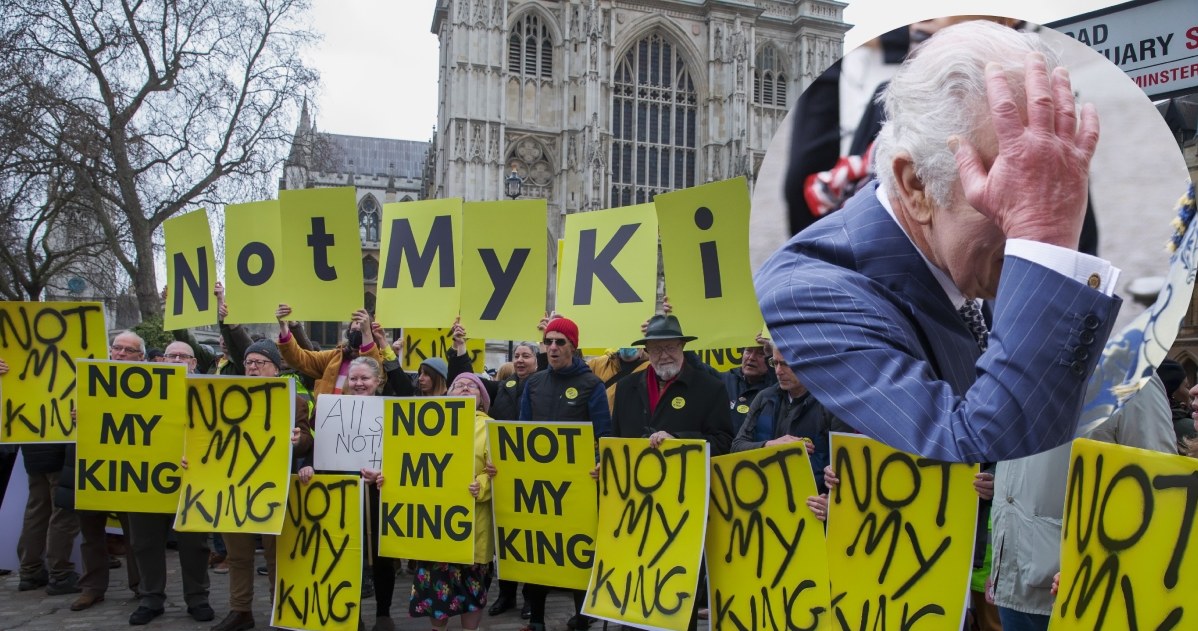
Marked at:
<point>178,356</point>
<point>465,385</point>
<point>255,363</point>
<point>555,341</point>
<point>773,363</point>
<point>658,351</point>
<point>117,348</point>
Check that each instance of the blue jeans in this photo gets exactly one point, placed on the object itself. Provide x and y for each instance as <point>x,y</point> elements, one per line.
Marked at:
<point>1018,621</point>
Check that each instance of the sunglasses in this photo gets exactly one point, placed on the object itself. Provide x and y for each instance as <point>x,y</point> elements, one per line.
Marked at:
<point>555,341</point>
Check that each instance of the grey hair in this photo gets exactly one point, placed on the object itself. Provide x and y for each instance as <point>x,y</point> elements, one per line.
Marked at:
<point>532,346</point>
<point>363,360</point>
<point>141,342</point>
<point>940,92</point>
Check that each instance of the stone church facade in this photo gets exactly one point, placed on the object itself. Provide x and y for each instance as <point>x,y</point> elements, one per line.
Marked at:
<point>605,103</point>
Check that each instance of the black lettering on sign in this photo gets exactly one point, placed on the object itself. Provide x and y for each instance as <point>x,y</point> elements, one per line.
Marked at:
<point>126,476</point>
<point>531,496</point>
<point>640,481</point>
<point>880,492</point>
<point>709,256</point>
<point>543,548</point>
<point>307,511</point>
<point>34,336</point>
<point>503,280</point>
<point>439,245</point>
<point>425,417</point>
<point>517,442</point>
<point>600,266</point>
<point>777,611</point>
<point>324,606</point>
<point>239,504</point>
<point>420,521</point>
<point>357,431</point>
<point>320,242</point>
<point>196,285</point>
<point>1092,502</point>
<point>266,264</point>
<point>135,381</point>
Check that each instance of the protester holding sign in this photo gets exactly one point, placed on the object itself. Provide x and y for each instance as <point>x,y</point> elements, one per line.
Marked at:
<point>126,346</point>
<point>328,368</point>
<point>432,377</point>
<point>567,392</point>
<point>443,590</point>
<point>149,533</point>
<point>365,379</point>
<point>261,359</point>
<point>459,359</point>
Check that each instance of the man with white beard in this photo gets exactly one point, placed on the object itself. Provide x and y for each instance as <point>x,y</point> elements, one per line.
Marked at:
<point>670,399</point>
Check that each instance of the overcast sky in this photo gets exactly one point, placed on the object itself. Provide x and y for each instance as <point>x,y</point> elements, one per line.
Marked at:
<point>378,58</point>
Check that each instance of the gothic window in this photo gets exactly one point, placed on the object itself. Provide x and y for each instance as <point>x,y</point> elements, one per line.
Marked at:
<point>653,123</point>
<point>369,219</point>
<point>769,81</point>
<point>370,268</point>
<point>530,49</point>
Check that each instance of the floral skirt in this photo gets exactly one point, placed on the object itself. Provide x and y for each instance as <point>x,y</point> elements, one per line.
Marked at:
<point>443,590</point>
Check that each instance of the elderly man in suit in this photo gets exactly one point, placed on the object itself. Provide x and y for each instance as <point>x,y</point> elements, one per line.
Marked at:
<point>983,166</point>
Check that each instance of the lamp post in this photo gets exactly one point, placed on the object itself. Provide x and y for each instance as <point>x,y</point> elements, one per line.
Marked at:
<point>513,183</point>
<point>512,186</point>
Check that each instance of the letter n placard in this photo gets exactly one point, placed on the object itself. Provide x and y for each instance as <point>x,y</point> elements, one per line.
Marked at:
<point>129,438</point>
<point>425,508</point>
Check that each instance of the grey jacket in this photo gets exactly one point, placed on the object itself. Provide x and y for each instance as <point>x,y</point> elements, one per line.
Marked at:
<point>1029,500</point>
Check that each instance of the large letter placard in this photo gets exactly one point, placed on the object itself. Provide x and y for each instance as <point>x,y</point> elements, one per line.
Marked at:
<point>349,432</point>
<point>1128,526</point>
<point>607,279</point>
<point>545,503</point>
<point>319,553</point>
<point>421,263</point>
<point>900,537</point>
<point>421,344</point>
<point>426,510</point>
<point>652,518</point>
<point>322,252</point>
<point>130,436</point>
<point>238,447</point>
<point>41,341</point>
<point>767,561</point>
<point>191,270</point>
<point>705,252</point>
<point>254,283</point>
<point>504,268</point>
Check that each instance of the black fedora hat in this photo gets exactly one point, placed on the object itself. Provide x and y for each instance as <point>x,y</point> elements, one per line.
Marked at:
<point>663,327</point>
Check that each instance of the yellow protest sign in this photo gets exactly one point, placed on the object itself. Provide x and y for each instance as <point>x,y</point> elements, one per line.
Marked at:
<point>421,344</point>
<point>608,275</point>
<point>425,507</point>
<point>254,283</point>
<point>319,556</point>
<point>40,342</point>
<point>705,252</point>
<point>900,537</point>
<point>504,268</point>
<point>190,272</point>
<point>545,504</point>
<point>1128,524</point>
<point>652,518</point>
<point>722,359</point>
<point>238,448</point>
<point>322,252</point>
<point>129,438</point>
<point>421,263</point>
<point>767,565</point>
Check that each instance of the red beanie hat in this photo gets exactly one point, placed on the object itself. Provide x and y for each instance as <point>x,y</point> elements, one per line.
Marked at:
<point>566,327</point>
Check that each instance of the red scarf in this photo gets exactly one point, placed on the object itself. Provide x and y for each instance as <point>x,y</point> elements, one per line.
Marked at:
<point>655,391</point>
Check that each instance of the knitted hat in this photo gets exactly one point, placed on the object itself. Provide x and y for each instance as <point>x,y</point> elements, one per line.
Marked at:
<point>483,398</point>
<point>437,365</point>
<point>566,327</point>
<point>1172,374</point>
<point>267,349</point>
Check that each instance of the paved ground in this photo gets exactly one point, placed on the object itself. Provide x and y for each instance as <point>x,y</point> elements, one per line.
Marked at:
<point>35,611</point>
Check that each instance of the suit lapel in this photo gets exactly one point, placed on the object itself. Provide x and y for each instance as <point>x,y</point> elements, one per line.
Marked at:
<point>886,254</point>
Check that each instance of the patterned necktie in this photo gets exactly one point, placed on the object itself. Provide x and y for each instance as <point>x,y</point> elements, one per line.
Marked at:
<point>971,312</point>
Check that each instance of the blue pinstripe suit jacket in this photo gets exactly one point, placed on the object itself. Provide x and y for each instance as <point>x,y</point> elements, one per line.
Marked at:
<point>866,327</point>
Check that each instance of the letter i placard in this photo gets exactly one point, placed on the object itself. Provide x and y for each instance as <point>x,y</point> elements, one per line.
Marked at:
<point>129,438</point>
<point>425,508</point>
